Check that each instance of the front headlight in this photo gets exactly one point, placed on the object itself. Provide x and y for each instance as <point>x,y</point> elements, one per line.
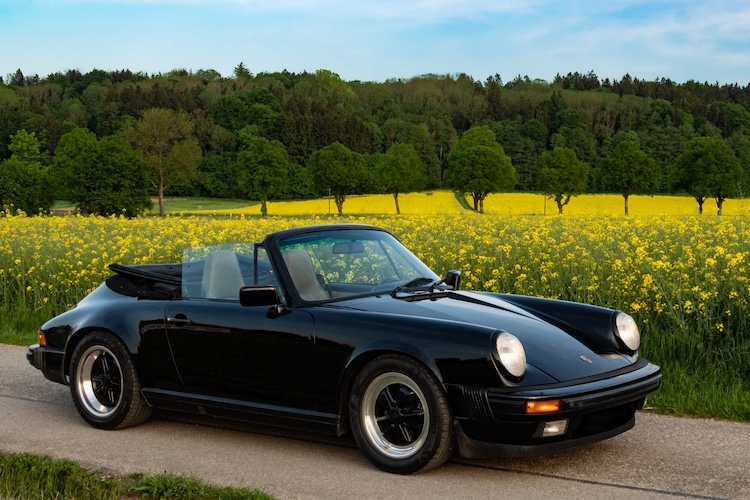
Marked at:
<point>511,354</point>
<point>627,330</point>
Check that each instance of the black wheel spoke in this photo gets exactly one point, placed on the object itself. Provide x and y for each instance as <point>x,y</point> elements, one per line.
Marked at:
<point>105,363</point>
<point>417,414</point>
<point>111,397</point>
<point>103,394</point>
<point>390,402</point>
<point>406,433</point>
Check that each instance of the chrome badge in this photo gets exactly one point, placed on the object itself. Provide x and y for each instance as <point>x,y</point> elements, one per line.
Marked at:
<point>584,358</point>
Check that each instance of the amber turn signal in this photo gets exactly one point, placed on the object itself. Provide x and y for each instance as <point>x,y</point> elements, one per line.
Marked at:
<point>548,406</point>
<point>42,340</point>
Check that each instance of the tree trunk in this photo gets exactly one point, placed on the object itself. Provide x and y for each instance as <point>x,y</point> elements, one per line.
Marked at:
<point>162,213</point>
<point>395,198</point>
<point>263,207</point>
<point>627,212</point>
<point>719,205</point>
<point>559,207</point>
<point>475,197</point>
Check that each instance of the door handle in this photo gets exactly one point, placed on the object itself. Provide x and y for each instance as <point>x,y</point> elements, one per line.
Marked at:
<point>179,320</point>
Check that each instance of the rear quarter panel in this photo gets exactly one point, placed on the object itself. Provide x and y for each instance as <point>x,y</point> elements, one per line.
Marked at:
<point>138,323</point>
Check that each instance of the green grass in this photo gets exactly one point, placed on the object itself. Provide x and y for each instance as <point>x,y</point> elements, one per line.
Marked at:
<point>29,477</point>
<point>192,204</point>
<point>20,325</point>
<point>702,393</point>
<point>58,204</point>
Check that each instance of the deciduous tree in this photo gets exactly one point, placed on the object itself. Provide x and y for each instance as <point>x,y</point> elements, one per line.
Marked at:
<point>24,179</point>
<point>337,170</point>
<point>562,175</point>
<point>103,177</point>
<point>629,170</point>
<point>164,138</point>
<point>264,167</point>
<point>479,166</point>
<point>708,167</point>
<point>400,170</point>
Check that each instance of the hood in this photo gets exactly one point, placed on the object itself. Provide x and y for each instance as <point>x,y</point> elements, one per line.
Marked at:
<point>548,348</point>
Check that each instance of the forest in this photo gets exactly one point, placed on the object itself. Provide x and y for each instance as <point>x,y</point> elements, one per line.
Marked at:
<point>307,112</point>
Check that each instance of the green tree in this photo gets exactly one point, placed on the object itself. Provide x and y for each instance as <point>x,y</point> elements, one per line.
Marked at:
<point>398,130</point>
<point>24,180</point>
<point>231,112</point>
<point>478,165</point>
<point>300,184</point>
<point>337,170</point>
<point>164,138</point>
<point>708,167</point>
<point>264,167</point>
<point>400,170</point>
<point>103,177</point>
<point>523,143</point>
<point>562,175</point>
<point>241,72</point>
<point>629,170</point>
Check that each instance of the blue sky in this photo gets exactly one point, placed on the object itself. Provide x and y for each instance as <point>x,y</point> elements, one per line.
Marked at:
<point>374,40</point>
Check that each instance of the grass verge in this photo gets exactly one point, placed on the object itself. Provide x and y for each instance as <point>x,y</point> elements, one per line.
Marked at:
<point>178,205</point>
<point>29,477</point>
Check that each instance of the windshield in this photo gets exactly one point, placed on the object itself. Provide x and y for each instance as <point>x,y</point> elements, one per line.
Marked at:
<point>336,264</point>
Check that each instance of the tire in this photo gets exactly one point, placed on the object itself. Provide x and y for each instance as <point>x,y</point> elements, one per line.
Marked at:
<point>399,416</point>
<point>105,385</point>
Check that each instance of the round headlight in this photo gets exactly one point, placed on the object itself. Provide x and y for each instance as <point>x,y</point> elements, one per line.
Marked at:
<point>627,330</point>
<point>511,354</point>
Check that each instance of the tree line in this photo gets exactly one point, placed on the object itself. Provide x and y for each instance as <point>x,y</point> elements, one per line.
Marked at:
<point>109,140</point>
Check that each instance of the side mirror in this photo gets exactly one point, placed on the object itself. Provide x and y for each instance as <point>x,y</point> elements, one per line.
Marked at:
<point>261,295</point>
<point>453,278</point>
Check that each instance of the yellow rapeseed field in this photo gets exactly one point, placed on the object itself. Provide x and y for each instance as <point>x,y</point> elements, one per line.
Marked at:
<point>427,203</point>
<point>685,278</point>
<point>690,269</point>
<point>504,204</point>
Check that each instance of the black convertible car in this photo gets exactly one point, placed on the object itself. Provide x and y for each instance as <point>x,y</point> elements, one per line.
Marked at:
<point>340,328</point>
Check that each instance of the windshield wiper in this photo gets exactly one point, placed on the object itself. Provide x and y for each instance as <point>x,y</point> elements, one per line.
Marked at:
<point>416,282</point>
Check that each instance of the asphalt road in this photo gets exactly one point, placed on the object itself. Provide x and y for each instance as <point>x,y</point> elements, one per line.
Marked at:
<point>663,457</point>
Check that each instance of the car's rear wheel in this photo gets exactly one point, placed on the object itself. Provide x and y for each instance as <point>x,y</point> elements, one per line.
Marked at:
<point>400,417</point>
<point>105,385</point>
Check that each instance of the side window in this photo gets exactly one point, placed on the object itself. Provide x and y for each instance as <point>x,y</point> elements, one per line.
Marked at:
<point>219,271</point>
<point>263,272</point>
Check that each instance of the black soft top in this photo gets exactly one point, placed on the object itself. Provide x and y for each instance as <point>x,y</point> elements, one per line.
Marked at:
<point>147,281</point>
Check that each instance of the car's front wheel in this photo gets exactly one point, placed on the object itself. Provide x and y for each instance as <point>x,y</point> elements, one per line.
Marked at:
<point>400,417</point>
<point>105,385</point>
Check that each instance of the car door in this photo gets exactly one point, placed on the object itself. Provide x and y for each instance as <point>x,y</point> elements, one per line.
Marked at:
<point>244,353</point>
<point>225,350</point>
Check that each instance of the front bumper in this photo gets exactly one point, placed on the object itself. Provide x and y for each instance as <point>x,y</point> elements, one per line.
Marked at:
<point>493,422</point>
<point>50,361</point>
